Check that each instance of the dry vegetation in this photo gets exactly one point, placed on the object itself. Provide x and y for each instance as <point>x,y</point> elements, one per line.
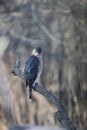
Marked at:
<point>59,27</point>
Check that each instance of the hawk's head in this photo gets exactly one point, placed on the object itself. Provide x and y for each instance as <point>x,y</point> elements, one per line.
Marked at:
<point>37,51</point>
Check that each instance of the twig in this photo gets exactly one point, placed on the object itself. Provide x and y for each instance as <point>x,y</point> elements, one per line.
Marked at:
<point>61,114</point>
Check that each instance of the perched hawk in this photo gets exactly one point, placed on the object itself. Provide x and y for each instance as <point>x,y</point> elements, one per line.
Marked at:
<point>33,69</point>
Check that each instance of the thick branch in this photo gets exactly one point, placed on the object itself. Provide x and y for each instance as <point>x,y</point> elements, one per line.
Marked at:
<point>61,115</point>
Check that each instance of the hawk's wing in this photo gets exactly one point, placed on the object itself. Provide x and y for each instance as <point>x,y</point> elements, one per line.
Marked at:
<point>31,67</point>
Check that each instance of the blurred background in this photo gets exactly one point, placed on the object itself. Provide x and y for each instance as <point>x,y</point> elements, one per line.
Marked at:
<point>59,27</point>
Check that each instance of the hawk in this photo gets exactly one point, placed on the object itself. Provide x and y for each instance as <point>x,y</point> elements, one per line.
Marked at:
<point>33,69</point>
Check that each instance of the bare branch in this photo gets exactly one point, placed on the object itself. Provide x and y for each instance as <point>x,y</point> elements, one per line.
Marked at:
<point>61,114</point>
<point>42,27</point>
<point>25,39</point>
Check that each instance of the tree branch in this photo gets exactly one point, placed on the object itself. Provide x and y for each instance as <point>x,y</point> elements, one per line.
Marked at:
<point>25,39</point>
<point>61,115</point>
<point>42,27</point>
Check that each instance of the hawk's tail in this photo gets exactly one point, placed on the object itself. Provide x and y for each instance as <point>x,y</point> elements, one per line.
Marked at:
<point>30,92</point>
<point>30,88</point>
